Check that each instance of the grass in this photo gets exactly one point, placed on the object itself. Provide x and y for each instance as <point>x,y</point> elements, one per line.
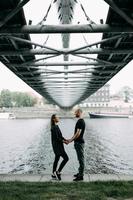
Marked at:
<point>66,191</point>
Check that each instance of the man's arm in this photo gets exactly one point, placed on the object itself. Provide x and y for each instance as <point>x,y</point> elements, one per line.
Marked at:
<point>75,136</point>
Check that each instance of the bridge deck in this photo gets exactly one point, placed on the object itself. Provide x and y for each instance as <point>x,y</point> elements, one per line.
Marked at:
<point>124,43</point>
<point>108,64</point>
<point>6,44</point>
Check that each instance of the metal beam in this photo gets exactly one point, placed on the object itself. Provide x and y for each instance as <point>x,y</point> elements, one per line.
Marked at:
<point>30,42</point>
<point>95,59</point>
<point>66,28</point>
<point>13,12</point>
<point>78,86</point>
<point>71,88</point>
<point>66,81</point>
<point>56,82</point>
<point>36,60</point>
<point>6,59</point>
<point>42,51</point>
<point>85,83</point>
<point>68,77</point>
<point>16,47</point>
<point>116,45</point>
<point>66,63</point>
<point>64,87</point>
<point>128,55</point>
<point>68,85</point>
<point>70,72</point>
<point>99,42</point>
<point>119,11</point>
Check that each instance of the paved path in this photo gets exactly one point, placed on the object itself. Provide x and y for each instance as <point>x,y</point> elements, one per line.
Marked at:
<point>65,178</point>
<point>117,199</point>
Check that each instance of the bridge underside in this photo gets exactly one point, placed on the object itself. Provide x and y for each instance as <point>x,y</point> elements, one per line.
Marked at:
<point>65,82</point>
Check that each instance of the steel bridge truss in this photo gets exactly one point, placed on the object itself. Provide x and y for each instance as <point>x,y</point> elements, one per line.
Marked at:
<point>66,83</point>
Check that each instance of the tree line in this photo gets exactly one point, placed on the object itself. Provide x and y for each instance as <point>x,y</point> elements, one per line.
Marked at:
<point>16,99</point>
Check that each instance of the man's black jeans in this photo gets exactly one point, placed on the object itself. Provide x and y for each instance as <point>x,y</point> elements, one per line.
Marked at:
<point>79,147</point>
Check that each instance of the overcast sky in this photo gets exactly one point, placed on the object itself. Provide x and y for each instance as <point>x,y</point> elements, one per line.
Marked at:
<point>35,11</point>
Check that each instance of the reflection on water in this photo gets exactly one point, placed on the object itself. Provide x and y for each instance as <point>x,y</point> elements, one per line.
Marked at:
<point>25,146</point>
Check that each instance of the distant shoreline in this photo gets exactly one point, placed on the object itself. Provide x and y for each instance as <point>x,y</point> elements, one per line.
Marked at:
<point>47,111</point>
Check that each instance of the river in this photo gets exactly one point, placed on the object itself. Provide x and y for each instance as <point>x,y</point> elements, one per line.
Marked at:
<point>25,146</point>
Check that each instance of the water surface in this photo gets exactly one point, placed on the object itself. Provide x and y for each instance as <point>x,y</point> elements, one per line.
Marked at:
<point>25,146</point>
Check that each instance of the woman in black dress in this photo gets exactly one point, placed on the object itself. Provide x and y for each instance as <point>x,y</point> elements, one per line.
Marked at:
<point>58,147</point>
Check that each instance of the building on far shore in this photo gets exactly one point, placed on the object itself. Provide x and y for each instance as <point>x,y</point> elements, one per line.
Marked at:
<point>103,101</point>
<point>101,98</point>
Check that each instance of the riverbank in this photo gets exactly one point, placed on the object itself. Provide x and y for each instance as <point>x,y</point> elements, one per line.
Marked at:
<point>37,112</point>
<point>47,111</point>
<point>109,190</point>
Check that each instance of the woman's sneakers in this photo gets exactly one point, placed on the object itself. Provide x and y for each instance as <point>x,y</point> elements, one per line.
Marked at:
<point>58,175</point>
<point>54,176</point>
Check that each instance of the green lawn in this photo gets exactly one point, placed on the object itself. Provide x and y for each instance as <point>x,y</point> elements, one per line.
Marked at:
<point>65,191</point>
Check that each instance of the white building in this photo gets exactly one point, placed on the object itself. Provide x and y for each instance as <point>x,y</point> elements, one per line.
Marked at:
<point>101,98</point>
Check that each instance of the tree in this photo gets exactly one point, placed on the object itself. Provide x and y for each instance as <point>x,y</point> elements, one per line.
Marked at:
<point>126,93</point>
<point>23,99</point>
<point>5,99</point>
<point>126,96</point>
<point>17,99</point>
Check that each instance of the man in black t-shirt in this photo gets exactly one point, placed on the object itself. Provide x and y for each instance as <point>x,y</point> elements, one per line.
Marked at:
<point>79,144</point>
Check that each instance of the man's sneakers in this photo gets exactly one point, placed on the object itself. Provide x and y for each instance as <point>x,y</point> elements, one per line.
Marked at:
<point>75,175</point>
<point>78,177</point>
<point>57,176</point>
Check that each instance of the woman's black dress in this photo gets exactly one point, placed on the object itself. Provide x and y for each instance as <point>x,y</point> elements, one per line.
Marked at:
<point>57,140</point>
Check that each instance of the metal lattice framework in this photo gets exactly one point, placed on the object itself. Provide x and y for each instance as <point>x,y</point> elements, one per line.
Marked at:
<point>66,86</point>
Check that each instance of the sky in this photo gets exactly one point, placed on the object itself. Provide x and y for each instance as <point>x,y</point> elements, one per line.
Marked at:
<point>35,11</point>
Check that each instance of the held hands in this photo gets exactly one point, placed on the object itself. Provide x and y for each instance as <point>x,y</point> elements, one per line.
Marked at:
<point>67,141</point>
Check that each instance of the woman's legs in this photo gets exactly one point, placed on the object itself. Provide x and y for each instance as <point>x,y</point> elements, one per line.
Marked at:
<point>57,157</point>
<point>63,163</point>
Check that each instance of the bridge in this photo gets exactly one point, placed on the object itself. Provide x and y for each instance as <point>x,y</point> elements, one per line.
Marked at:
<point>54,75</point>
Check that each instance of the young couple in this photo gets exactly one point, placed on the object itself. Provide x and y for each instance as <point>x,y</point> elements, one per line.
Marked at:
<point>58,142</point>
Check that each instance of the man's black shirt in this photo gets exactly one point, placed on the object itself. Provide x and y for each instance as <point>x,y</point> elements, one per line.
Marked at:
<point>80,125</point>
